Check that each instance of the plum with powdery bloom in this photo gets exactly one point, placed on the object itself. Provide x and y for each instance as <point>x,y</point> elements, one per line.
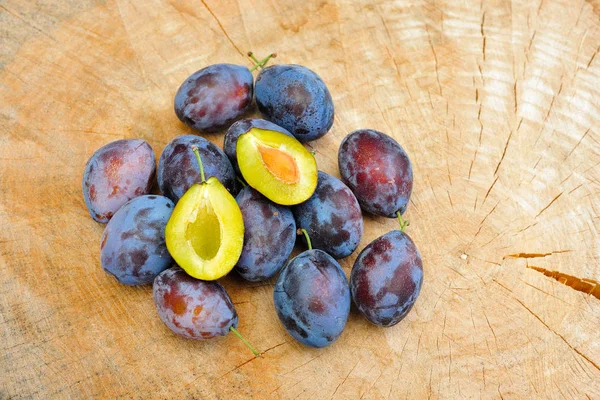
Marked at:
<point>133,247</point>
<point>386,278</point>
<point>116,173</point>
<point>377,170</point>
<point>214,97</point>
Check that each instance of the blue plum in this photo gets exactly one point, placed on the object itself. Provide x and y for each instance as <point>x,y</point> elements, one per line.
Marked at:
<point>386,278</point>
<point>239,128</point>
<point>312,298</point>
<point>214,97</point>
<point>269,236</point>
<point>193,308</point>
<point>178,169</point>
<point>116,173</point>
<point>332,217</point>
<point>133,247</point>
<point>295,98</point>
<point>377,169</point>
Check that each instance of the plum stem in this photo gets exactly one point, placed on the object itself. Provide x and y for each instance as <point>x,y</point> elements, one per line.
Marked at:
<point>303,231</point>
<point>241,181</point>
<point>197,153</point>
<point>236,333</point>
<point>403,223</point>
<point>262,63</point>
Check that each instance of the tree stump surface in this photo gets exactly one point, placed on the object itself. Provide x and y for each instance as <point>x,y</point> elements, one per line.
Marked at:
<point>496,102</point>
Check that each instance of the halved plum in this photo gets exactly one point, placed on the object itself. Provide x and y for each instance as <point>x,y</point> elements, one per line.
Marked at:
<point>205,233</point>
<point>277,165</point>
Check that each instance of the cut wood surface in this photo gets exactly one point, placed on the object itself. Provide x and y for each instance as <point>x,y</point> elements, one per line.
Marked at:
<point>496,102</point>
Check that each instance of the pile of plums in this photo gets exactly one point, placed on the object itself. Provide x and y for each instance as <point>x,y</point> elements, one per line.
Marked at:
<point>197,231</point>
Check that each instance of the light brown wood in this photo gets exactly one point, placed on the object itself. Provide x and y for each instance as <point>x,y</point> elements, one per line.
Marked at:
<point>496,102</point>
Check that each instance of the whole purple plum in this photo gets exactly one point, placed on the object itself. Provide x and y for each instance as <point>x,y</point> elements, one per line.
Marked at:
<point>193,308</point>
<point>377,170</point>
<point>312,298</point>
<point>386,278</point>
<point>332,217</point>
<point>239,128</point>
<point>295,98</point>
<point>116,173</point>
<point>178,169</point>
<point>269,235</point>
<point>133,247</point>
<point>215,96</point>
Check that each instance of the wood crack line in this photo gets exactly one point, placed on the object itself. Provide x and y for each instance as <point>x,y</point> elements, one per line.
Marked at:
<point>584,285</point>
<point>222,28</point>
<point>534,255</point>
<point>559,335</point>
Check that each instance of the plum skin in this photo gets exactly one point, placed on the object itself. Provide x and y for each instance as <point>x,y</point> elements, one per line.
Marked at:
<point>215,96</point>
<point>295,98</point>
<point>133,247</point>
<point>312,298</point>
<point>178,168</point>
<point>377,169</point>
<point>386,278</point>
<point>242,126</point>
<point>116,173</point>
<point>332,217</point>
<point>269,236</point>
<point>193,308</point>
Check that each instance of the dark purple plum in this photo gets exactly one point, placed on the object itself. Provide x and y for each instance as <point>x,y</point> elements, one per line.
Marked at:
<point>269,236</point>
<point>312,298</point>
<point>116,173</point>
<point>214,97</point>
<point>239,128</point>
<point>133,247</point>
<point>178,168</point>
<point>377,170</point>
<point>295,98</point>
<point>193,308</point>
<point>386,278</point>
<point>332,217</point>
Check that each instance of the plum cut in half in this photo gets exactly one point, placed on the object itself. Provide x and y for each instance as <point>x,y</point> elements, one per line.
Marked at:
<point>277,166</point>
<point>205,233</point>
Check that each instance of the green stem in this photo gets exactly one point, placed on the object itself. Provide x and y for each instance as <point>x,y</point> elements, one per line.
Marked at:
<point>197,153</point>
<point>236,333</point>
<point>262,63</point>
<point>241,181</point>
<point>403,223</point>
<point>307,238</point>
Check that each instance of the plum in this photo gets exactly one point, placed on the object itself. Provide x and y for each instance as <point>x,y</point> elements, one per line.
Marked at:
<point>377,170</point>
<point>116,173</point>
<point>239,128</point>
<point>215,96</point>
<point>133,247</point>
<point>295,98</point>
<point>193,308</point>
<point>332,217</point>
<point>178,169</point>
<point>386,278</point>
<point>312,298</point>
<point>269,236</point>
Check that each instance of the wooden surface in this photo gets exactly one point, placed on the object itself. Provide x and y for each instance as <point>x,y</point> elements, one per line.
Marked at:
<point>496,102</point>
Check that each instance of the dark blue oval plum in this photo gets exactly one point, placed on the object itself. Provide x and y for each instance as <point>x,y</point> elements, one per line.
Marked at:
<point>312,298</point>
<point>332,217</point>
<point>133,247</point>
<point>178,168</point>
<point>214,97</point>
<point>295,98</point>
<point>269,236</point>
<point>377,170</point>
<point>239,128</point>
<point>386,278</point>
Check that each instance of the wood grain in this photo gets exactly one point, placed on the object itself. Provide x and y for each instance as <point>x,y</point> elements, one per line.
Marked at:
<point>496,102</point>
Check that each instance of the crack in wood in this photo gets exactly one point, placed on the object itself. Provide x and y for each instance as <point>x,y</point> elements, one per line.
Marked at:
<point>535,255</point>
<point>222,28</point>
<point>549,204</point>
<point>584,285</point>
